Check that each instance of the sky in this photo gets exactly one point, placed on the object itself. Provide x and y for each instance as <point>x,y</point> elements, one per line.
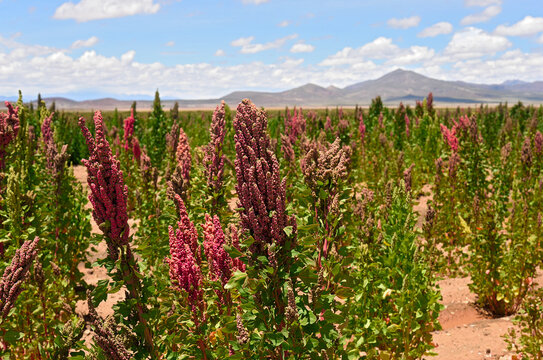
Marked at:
<point>194,49</point>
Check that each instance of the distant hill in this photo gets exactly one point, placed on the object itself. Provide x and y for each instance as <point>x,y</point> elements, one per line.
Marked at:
<point>396,86</point>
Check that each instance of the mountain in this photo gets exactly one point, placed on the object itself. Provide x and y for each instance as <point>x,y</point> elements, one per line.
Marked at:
<point>396,86</point>
<point>307,95</point>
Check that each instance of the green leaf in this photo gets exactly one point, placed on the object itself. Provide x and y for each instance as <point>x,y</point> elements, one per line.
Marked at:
<point>288,230</point>
<point>323,194</point>
<point>465,226</point>
<point>333,318</point>
<point>11,336</point>
<point>344,292</point>
<point>276,338</point>
<point>99,293</point>
<point>236,281</point>
<point>232,251</point>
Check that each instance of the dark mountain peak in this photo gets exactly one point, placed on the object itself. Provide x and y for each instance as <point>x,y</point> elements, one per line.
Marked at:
<point>308,87</point>
<point>402,74</point>
<point>400,71</point>
<point>311,85</point>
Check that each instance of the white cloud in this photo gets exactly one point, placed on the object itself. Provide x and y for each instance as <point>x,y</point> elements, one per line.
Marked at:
<point>473,42</point>
<point>439,28</point>
<point>482,3</point>
<point>128,57</point>
<point>512,64</point>
<point>472,55</point>
<point>242,41</point>
<point>412,55</point>
<point>254,2</point>
<point>57,71</point>
<point>85,43</point>
<point>302,48</point>
<point>87,10</point>
<point>20,51</point>
<point>380,48</point>
<point>284,23</point>
<point>170,43</point>
<point>404,23</point>
<point>60,73</point>
<point>220,52</point>
<point>377,49</point>
<point>540,40</point>
<point>247,46</point>
<point>483,16</point>
<point>525,27</point>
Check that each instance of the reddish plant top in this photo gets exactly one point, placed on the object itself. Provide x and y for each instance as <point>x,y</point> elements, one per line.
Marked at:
<point>260,189</point>
<point>15,274</point>
<point>108,191</point>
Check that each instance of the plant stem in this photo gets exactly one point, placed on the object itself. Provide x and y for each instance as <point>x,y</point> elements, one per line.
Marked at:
<point>133,285</point>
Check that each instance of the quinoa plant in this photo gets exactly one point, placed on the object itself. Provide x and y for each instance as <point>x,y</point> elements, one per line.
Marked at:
<point>393,306</point>
<point>108,197</point>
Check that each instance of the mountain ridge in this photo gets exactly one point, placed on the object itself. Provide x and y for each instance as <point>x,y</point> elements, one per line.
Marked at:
<point>395,86</point>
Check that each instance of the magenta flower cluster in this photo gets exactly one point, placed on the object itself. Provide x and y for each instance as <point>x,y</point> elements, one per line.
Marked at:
<point>48,141</point>
<point>190,235</point>
<point>55,160</point>
<point>9,128</point>
<point>538,142</point>
<point>46,131</point>
<point>108,191</point>
<point>463,128</point>
<point>295,125</point>
<point>450,137</point>
<point>407,123</point>
<point>287,149</point>
<point>137,150</point>
<point>294,128</point>
<point>328,124</point>
<point>171,140</point>
<point>183,156</point>
<point>219,261</point>
<point>259,187</point>
<point>234,242</point>
<point>361,128</point>
<point>185,272</point>
<point>214,157</point>
<point>149,173</point>
<point>129,123</point>
<point>526,153</point>
<point>15,274</point>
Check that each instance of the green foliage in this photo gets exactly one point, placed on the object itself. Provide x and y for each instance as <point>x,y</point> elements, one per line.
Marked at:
<point>395,302</point>
<point>36,202</point>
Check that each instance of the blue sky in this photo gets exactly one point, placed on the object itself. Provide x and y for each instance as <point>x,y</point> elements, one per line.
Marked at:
<point>200,49</point>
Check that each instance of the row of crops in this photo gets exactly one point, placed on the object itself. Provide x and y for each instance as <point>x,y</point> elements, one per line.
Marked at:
<point>266,234</point>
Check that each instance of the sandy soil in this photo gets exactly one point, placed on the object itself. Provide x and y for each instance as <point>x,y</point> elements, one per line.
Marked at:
<point>467,333</point>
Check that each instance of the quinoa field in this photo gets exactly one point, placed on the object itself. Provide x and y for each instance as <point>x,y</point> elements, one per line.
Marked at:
<point>407,232</point>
